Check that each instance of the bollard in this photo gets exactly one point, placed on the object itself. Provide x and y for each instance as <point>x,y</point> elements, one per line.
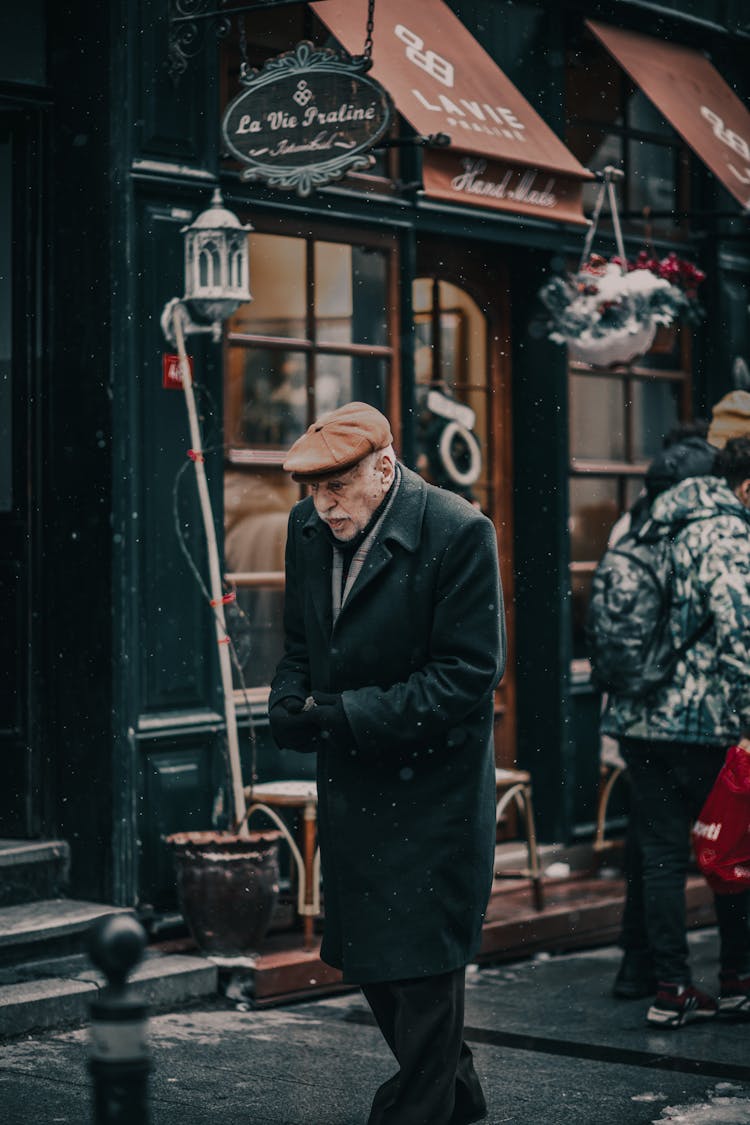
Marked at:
<point>119,1061</point>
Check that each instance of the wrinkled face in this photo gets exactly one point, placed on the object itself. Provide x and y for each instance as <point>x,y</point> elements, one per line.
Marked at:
<point>347,500</point>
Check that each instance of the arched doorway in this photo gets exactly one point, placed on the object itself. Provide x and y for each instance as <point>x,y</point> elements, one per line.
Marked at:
<point>462,356</point>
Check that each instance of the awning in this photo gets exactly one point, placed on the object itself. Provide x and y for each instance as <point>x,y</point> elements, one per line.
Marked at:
<point>502,154</point>
<point>691,94</point>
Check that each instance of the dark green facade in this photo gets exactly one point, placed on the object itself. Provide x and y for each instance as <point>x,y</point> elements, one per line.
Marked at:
<point>113,726</point>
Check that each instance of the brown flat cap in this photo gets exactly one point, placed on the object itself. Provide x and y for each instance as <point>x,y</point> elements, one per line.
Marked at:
<point>730,419</point>
<point>338,440</point>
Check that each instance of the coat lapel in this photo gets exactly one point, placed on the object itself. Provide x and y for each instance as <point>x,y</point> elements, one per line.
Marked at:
<point>318,571</point>
<point>402,524</point>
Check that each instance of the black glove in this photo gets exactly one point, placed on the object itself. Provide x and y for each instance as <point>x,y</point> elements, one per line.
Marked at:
<point>291,727</point>
<point>330,718</point>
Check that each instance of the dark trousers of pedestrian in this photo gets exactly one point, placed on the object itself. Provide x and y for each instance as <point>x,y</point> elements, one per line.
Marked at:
<point>670,783</point>
<point>422,1021</point>
<point>633,935</point>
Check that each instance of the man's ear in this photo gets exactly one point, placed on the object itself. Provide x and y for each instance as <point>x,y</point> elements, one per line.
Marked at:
<point>742,492</point>
<point>388,469</point>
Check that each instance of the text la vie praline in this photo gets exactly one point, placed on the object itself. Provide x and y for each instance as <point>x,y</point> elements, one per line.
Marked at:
<point>277,119</point>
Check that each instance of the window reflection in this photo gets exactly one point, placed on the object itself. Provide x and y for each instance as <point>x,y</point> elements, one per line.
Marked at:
<point>617,425</point>
<point>302,347</point>
<point>277,276</point>
<point>450,357</point>
<point>597,417</point>
<point>256,510</point>
<point>350,286</point>
<point>655,411</point>
<point>594,508</point>
<point>266,397</point>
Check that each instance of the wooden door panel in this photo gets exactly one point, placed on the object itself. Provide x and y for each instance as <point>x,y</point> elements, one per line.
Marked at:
<point>471,268</point>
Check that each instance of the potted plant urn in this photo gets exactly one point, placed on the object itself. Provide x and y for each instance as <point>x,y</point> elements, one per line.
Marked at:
<point>227,887</point>
<point>227,882</point>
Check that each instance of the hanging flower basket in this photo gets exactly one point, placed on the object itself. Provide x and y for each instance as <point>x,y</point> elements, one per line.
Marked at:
<point>608,312</point>
<point>620,345</point>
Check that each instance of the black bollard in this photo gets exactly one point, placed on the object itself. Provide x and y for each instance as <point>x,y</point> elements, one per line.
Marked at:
<point>119,1059</point>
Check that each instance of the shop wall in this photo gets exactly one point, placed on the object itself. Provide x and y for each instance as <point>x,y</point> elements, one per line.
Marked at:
<point>74,599</point>
<point>169,682</point>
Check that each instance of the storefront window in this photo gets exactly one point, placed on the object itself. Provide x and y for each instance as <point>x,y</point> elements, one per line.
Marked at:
<point>611,121</point>
<point>618,421</point>
<point>451,358</point>
<point>316,335</point>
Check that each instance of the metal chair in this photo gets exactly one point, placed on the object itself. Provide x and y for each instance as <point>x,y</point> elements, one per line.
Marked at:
<point>609,776</point>
<point>273,795</point>
<point>515,785</point>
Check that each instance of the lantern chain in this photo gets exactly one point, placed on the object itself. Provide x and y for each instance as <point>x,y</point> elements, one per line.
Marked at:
<point>244,64</point>
<point>367,52</point>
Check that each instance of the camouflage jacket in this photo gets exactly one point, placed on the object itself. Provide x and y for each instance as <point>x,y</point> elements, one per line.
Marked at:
<point>708,698</point>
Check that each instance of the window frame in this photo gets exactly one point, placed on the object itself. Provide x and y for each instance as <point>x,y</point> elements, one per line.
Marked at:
<point>437,316</point>
<point>634,220</point>
<point>239,458</point>
<point>630,467</point>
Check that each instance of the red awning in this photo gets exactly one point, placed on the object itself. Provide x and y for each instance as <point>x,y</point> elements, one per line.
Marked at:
<point>691,94</point>
<point>502,154</point>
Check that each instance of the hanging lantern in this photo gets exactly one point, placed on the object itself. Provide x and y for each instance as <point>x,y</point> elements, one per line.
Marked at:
<point>217,267</point>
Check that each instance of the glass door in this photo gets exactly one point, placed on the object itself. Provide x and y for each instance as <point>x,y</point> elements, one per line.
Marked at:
<point>463,439</point>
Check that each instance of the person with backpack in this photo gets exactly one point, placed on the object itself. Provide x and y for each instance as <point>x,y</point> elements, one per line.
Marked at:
<point>685,453</point>
<point>669,628</point>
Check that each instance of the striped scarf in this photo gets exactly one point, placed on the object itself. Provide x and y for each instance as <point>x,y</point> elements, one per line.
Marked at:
<point>339,596</point>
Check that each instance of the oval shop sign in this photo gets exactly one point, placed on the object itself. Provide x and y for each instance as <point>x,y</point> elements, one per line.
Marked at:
<point>308,117</point>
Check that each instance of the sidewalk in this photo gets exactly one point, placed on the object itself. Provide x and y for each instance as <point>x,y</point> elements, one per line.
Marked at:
<point>551,1047</point>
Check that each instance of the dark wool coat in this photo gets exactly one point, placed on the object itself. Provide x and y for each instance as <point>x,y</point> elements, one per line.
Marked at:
<point>407,812</point>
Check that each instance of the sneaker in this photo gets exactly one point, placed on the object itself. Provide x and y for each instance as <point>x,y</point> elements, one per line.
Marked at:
<point>676,1004</point>
<point>734,994</point>
<point>635,978</point>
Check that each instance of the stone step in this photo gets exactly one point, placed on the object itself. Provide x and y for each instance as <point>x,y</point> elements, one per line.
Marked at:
<point>57,992</point>
<point>31,870</point>
<point>48,928</point>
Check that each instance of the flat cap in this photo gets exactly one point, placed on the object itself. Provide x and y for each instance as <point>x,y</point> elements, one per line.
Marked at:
<point>338,440</point>
<point>730,418</point>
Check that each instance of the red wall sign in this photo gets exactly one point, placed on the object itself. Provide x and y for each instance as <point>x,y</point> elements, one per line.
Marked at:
<point>171,379</point>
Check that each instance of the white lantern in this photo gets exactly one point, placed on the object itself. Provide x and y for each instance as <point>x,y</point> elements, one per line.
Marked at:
<point>217,269</point>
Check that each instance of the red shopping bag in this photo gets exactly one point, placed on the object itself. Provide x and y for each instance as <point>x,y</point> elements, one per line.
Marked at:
<point>721,834</point>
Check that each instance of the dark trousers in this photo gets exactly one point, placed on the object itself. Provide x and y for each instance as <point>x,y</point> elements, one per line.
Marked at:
<point>670,783</point>
<point>422,1021</point>
<point>633,935</point>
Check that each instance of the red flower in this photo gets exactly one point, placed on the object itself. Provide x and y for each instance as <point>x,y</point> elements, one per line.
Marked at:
<point>677,271</point>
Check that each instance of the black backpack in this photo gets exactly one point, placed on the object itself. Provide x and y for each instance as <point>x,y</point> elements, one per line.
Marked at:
<point>629,640</point>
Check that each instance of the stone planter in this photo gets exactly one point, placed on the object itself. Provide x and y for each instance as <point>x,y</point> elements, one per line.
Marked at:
<point>227,887</point>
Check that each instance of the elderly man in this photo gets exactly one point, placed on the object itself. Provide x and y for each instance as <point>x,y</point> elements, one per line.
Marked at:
<point>394,644</point>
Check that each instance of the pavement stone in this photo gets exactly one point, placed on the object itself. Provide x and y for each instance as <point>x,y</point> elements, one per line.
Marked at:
<point>319,1063</point>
